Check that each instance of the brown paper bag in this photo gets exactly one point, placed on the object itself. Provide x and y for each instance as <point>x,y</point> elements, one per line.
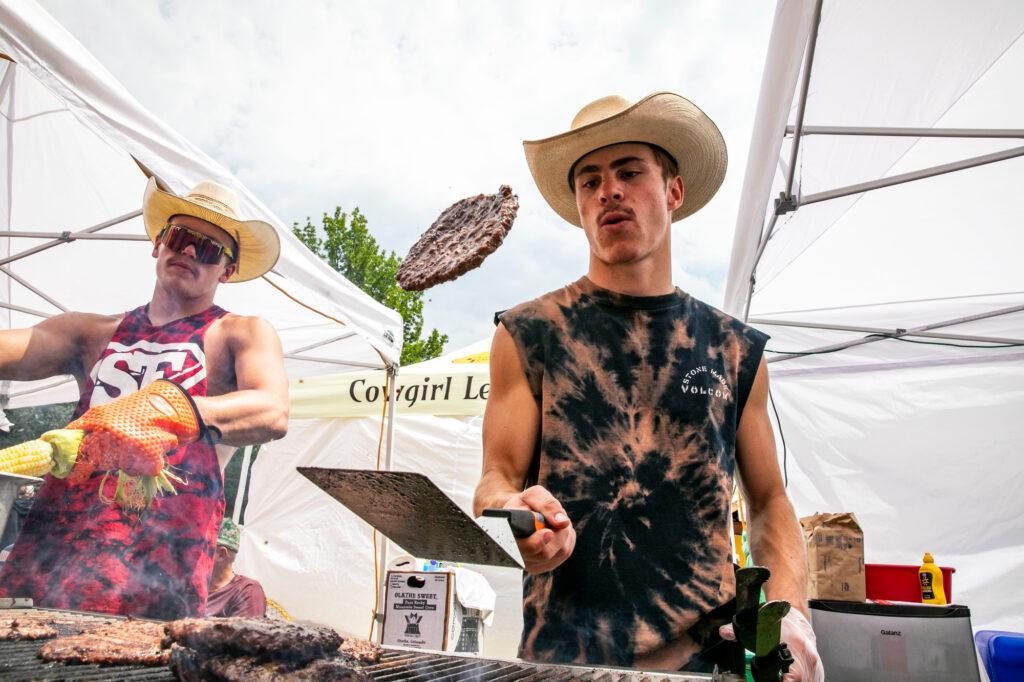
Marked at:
<point>835,557</point>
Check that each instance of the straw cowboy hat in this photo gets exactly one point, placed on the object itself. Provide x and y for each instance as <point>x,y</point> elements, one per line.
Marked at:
<point>258,243</point>
<point>664,119</point>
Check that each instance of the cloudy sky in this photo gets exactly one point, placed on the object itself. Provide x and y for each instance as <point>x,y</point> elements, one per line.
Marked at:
<point>402,108</point>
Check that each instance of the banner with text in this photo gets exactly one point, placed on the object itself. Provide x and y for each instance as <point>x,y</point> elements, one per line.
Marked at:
<point>456,387</point>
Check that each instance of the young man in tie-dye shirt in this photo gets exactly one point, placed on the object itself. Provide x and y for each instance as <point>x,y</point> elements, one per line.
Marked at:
<point>622,408</point>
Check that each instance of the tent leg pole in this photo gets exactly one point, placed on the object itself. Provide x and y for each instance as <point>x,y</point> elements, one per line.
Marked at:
<point>378,618</point>
<point>392,385</point>
<point>805,81</point>
<point>243,483</point>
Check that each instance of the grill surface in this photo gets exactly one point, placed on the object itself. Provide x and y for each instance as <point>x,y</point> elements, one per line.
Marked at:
<point>414,666</point>
<point>19,662</point>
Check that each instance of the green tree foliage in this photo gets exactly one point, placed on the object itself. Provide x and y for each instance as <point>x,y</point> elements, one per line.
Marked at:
<point>349,248</point>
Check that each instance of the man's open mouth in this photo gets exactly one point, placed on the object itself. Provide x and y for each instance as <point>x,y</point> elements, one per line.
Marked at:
<point>613,218</point>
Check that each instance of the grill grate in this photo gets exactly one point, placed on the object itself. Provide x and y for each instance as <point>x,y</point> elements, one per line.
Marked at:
<point>19,660</point>
<point>411,666</point>
<point>19,663</point>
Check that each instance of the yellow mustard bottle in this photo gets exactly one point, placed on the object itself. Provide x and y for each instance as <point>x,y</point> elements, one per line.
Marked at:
<point>930,575</point>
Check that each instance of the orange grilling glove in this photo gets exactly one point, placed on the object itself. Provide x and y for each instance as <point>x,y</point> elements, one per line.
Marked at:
<point>132,433</point>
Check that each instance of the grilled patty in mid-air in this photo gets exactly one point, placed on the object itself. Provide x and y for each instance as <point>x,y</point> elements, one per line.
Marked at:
<point>459,240</point>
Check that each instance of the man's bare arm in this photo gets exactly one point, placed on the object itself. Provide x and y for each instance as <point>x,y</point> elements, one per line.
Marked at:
<point>511,427</point>
<point>510,432</point>
<point>257,411</point>
<point>775,537</point>
<point>51,348</point>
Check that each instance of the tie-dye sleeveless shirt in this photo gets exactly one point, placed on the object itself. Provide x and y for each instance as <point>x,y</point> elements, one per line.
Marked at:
<point>640,398</point>
<point>76,552</point>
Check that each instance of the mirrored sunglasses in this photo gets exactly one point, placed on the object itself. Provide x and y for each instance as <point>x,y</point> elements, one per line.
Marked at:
<point>208,251</point>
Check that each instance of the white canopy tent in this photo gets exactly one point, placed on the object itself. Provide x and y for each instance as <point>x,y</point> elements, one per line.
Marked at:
<point>314,556</point>
<point>878,241</point>
<point>75,153</point>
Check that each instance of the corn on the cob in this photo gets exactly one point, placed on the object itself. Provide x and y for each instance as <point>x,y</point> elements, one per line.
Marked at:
<point>31,458</point>
<point>57,451</point>
<point>65,444</point>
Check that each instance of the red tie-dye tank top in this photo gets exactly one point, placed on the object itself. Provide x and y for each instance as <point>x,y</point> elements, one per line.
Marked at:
<point>639,398</point>
<point>76,552</point>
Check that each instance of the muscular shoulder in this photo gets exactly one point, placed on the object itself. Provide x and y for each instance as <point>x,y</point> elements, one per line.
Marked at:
<point>530,322</point>
<point>86,323</point>
<point>545,306</point>
<point>725,325</point>
<point>242,330</point>
<point>84,329</point>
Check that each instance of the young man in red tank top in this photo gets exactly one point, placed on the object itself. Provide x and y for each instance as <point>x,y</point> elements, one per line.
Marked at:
<point>78,551</point>
<point>621,408</point>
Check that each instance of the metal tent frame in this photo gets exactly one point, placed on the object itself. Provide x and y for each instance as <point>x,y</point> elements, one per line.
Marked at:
<point>787,202</point>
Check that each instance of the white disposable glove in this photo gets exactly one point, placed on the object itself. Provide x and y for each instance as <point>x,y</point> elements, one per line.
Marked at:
<point>798,635</point>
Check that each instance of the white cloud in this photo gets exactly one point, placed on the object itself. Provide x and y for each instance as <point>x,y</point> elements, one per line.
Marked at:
<point>403,108</point>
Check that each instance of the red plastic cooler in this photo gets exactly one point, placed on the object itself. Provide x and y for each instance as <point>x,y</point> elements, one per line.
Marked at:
<point>896,582</point>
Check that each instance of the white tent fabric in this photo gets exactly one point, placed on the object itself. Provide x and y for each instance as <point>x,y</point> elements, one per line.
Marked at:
<point>316,557</point>
<point>74,145</point>
<point>920,440</point>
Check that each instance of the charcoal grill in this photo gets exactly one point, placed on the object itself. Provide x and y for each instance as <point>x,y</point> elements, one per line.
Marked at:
<point>19,662</point>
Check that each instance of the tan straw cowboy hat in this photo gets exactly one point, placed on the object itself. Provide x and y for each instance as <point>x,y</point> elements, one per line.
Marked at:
<point>664,119</point>
<point>258,243</point>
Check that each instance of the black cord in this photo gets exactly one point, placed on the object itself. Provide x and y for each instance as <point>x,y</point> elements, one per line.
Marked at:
<point>785,464</point>
<point>898,338</point>
<point>804,352</point>
<point>771,398</point>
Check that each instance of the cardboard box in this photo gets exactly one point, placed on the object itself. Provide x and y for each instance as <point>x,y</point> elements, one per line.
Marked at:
<point>835,557</point>
<point>421,611</point>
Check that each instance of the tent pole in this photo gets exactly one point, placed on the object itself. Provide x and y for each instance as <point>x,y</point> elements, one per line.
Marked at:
<point>904,332</point>
<point>8,86</point>
<point>318,344</point>
<point>757,259</point>
<point>989,294</point>
<point>243,483</point>
<point>378,617</point>
<point>329,361</point>
<point>876,184</point>
<point>805,81</point>
<point>914,175</point>
<point>27,311</point>
<point>58,242</point>
<point>393,371</point>
<point>880,330</point>
<point>909,132</point>
<point>31,288</point>
<point>18,394</point>
<point>74,236</point>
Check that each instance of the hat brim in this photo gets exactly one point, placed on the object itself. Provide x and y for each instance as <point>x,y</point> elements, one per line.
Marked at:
<point>665,119</point>
<point>258,243</point>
